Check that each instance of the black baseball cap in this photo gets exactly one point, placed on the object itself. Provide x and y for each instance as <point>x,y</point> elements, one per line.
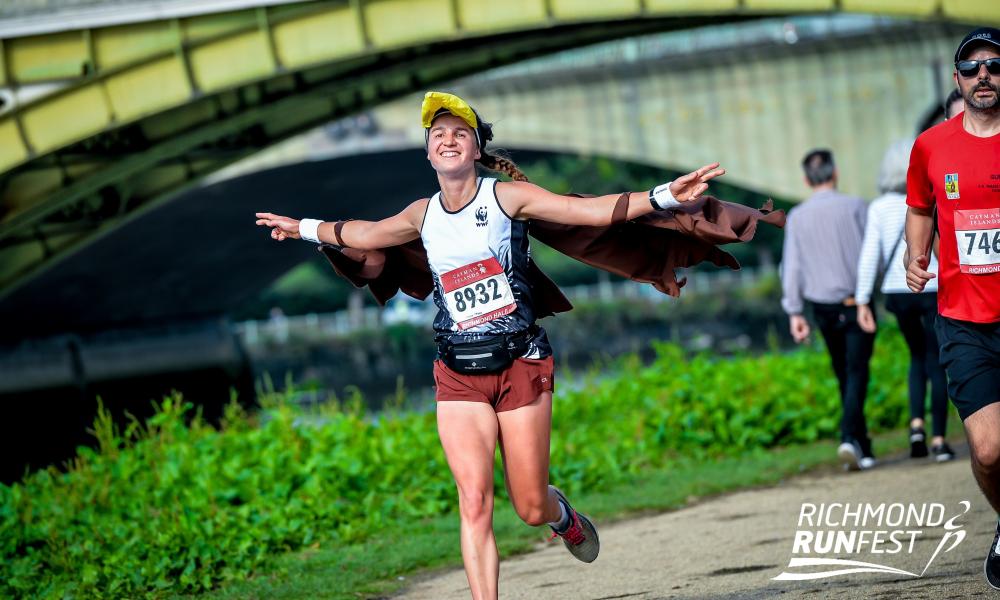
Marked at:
<point>986,35</point>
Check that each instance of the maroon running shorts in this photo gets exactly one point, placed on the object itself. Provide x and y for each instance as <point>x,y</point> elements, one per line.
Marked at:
<point>518,385</point>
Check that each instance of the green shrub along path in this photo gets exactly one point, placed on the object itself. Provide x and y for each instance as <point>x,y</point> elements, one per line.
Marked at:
<point>174,506</point>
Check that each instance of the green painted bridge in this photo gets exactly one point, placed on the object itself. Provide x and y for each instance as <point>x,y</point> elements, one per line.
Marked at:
<point>106,112</point>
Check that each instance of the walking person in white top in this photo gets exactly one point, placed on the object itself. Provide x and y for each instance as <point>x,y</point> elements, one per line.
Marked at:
<point>494,373</point>
<point>882,253</point>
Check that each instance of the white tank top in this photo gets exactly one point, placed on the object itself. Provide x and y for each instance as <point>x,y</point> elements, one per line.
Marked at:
<point>479,259</point>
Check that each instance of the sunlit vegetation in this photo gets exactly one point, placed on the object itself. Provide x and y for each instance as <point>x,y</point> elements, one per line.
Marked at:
<point>174,505</point>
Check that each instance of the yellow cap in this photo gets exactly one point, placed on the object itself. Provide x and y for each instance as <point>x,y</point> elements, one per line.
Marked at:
<point>435,102</point>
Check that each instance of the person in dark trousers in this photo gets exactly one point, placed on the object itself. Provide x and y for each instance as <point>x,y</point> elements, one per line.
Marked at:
<point>882,253</point>
<point>819,266</point>
<point>954,181</point>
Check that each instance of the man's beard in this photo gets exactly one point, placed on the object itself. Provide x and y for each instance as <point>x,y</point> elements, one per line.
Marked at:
<point>984,105</point>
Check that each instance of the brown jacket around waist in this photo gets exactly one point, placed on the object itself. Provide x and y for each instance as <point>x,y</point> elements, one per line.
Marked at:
<point>647,249</point>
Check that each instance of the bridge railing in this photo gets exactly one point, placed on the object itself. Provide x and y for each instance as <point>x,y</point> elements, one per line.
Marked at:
<point>281,329</point>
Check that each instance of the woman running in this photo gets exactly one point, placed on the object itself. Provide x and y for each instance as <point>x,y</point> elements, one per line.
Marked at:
<point>494,374</point>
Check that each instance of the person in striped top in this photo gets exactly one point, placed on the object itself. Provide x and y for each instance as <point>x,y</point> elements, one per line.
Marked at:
<point>882,253</point>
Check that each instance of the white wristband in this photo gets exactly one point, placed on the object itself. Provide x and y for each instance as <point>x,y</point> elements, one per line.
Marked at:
<point>661,197</point>
<point>309,230</point>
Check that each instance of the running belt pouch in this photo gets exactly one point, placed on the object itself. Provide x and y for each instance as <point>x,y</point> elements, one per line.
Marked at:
<point>485,356</point>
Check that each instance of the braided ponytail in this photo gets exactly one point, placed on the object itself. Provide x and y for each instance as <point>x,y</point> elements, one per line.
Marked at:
<point>501,164</point>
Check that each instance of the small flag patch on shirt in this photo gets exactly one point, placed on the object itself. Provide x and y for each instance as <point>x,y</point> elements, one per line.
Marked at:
<point>951,186</point>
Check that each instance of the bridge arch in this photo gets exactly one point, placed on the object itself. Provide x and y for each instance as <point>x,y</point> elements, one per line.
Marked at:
<point>103,119</point>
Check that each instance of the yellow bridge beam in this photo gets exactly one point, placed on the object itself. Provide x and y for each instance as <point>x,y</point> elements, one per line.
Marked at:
<point>115,75</point>
<point>103,122</point>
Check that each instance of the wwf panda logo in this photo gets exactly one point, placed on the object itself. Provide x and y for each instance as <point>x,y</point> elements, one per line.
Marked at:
<point>481,220</point>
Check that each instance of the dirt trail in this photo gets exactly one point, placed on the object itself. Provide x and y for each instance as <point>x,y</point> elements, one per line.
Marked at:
<point>733,546</point>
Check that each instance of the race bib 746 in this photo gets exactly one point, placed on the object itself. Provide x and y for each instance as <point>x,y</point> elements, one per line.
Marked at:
<point>477,293</point>
<point>978,235</point>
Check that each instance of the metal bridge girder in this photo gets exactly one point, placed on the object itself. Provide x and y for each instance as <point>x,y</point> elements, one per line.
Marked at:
<point>36,235</point>
<point>140,95</point>
<point>115,75</point>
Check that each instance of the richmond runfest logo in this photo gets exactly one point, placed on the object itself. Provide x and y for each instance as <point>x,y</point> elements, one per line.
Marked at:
<point>843,538</point>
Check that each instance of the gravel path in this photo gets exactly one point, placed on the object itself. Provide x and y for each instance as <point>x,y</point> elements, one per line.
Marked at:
<point>732,546</point>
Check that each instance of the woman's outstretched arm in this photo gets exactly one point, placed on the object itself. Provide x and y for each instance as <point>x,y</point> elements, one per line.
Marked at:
<point>363,235</point>
<point>528,201</point>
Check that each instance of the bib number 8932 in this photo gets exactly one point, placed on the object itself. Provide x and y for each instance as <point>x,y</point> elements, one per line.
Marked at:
<point>480,293</point>
<point>477,293</point>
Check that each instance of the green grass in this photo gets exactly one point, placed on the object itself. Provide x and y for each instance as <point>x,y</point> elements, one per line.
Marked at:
<point>172,506</point>
<point>383,565</point>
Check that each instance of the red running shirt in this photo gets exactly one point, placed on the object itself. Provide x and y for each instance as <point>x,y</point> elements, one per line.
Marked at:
<point>960,173</point>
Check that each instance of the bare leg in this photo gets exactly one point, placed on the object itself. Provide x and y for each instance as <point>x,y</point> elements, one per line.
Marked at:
<point>524,444</point>
<point>983,430</point>
<point>468,432</point>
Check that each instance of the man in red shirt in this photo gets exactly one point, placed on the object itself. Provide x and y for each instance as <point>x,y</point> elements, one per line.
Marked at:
<point>955,167</point>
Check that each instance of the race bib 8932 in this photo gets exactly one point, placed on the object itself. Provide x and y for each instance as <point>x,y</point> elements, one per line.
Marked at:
<point>978,235</point>
<point>477,293</point>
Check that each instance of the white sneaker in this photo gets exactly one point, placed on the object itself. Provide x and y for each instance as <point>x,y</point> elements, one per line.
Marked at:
<point>850,455</point>
<point>866,462</point>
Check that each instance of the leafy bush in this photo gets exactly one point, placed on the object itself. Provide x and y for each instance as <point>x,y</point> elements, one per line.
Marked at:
<point>643,416</point>
<point>182,507</point>
<point>174,506</point>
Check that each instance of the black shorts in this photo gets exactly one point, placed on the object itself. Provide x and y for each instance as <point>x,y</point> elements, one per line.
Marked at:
<point>970,353</point>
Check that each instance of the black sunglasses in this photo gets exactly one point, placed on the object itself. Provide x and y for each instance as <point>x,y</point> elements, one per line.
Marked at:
<point>970,68</point>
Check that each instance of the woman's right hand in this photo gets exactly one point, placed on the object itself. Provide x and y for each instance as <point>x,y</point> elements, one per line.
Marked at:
<point>866,319</point>
<point>282,228</point>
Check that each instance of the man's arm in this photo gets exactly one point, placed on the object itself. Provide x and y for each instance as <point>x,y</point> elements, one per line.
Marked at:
<point>791,278</point>
<point>919,229</point>
<point>919,226</point>
<point>791,284</point>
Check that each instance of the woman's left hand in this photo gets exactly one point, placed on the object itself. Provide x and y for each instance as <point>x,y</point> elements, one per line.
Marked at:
<point>691,186</point>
